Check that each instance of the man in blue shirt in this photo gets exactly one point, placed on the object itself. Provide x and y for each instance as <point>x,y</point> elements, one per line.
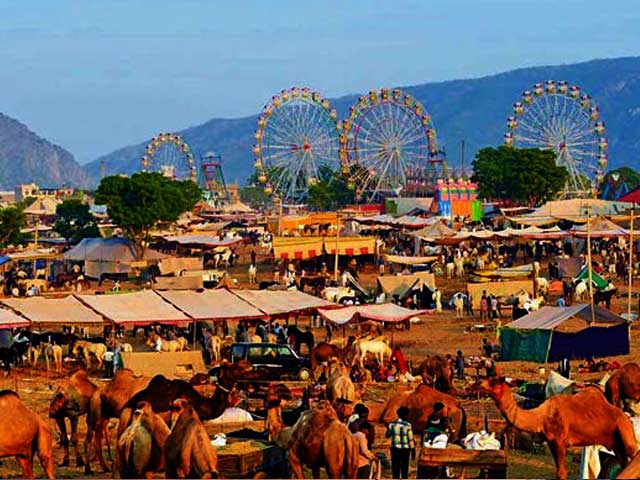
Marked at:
<point>402,444</point>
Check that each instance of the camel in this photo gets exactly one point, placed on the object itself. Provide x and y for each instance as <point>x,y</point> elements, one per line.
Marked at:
<point>340,386</point>
<point>319,439</point>
<point>188,451</point>
<point>71,400</point>
<point>107,402</point>
<point>215,344</point>
<point>177,345</point>
<point>88,348</point>
<point>579,420</point>
<point>624,384</point>
<point>420,403</point>
<point>379,348</point>
<point>55,352</point>
<point>160,393</point>
<point>24,434</point>
<point>435,372</point>
<point>141,445</point>
<point>324,351</point>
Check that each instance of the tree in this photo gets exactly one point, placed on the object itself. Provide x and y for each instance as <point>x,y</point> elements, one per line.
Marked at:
<point>145,201</point>
<point>330,192</point>
<point>12,221</point>
<point>75,221</point>
<point>526,176</point>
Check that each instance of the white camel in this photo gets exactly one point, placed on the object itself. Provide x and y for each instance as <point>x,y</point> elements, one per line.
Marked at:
<point>378,348</point>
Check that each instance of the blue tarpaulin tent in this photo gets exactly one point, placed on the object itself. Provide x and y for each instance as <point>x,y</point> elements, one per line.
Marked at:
<point>553,333</point>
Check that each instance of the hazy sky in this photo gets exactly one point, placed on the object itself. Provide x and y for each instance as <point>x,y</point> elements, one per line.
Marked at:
<point>93,76</point>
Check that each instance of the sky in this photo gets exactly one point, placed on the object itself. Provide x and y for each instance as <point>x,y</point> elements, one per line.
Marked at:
<point>97,75</point>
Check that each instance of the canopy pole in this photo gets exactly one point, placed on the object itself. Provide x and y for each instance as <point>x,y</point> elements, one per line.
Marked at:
<point>589,265</point>
<point>630,262</point>
<point>335,263</point>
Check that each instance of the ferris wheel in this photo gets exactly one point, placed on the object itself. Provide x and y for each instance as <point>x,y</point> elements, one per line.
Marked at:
<point>170,155</point>
<point>563,118</point>
<point>297,134</point>
<point>388,144</point>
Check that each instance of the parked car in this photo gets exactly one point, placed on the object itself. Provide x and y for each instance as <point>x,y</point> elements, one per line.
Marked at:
<point>278,361</point>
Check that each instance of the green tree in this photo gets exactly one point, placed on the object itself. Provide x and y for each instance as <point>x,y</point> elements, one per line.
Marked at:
<point>525,176</point>
<point>330,192</point>
<point>75,221</point>
<point>12,221</point>
<point>145,201</point>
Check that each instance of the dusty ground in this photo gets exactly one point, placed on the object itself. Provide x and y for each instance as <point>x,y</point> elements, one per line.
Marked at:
<point>436,334</point>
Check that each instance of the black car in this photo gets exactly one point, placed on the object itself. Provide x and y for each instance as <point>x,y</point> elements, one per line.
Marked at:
<point>278,360</point>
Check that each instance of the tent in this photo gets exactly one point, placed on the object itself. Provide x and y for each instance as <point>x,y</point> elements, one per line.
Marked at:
<point>9,319</point>
<point>600,227</point>
<point>139,308</point>
<point>597,280</point>
<point>401,284</point>
<point>46,312</point>
<point>43,207</point>
<point>435,232</point>
<point>281,302</point>
<point>499,289</point>
<point>381,312</point>
<point>107,255</point>
<point>553,333</point>
<point>210,305</point>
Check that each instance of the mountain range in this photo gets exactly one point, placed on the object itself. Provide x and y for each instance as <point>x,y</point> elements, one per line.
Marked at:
<point>474,110</point>
<point>25,157</point>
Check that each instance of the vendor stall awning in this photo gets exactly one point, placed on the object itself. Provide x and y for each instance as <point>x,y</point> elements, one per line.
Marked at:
<point>210,241</point>
<point>280,302</point>
<point>211,304</point>
<point>66,311</point>
<point>9,319</point>
<point>138,308</point>
<point>381,312</point>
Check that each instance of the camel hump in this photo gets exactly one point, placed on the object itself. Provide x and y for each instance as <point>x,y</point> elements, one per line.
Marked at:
<point>4,393</point>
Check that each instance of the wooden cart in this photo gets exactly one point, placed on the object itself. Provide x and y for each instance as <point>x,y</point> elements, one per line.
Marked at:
<point>252,459</point>
<point>431,460</point>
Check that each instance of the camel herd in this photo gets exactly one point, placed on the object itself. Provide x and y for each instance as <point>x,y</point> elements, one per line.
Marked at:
<point>160,420</point>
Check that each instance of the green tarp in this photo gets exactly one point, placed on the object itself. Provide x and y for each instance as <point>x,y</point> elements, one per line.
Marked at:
<point>530,345</point>
<point>598,281</point>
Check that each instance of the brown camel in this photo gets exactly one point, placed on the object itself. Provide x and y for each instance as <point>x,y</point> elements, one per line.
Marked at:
<point>579,420</point>
<point>107,402</point>
<point>624,384</point>
<point>161,392</point>
<point>420,403</point>
<point>188,451</point>
<point>339,385</point>
<point>324,351</point>
<point>24,434</point>
<point>71,400</point>
<point>436,372</point>
<point>140,448</point>
<point>319,439</point>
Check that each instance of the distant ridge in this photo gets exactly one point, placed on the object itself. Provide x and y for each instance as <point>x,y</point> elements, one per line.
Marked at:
<point>471,109</point>
<point>25,157</point>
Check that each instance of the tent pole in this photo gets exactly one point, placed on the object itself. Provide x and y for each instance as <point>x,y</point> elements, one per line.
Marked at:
<point>630,262</point>
<point>335,264</point>
<point>589,265</point>
<point>195,326</point>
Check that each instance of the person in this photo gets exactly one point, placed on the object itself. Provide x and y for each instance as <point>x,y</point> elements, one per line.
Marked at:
<point>487,348</point>
<point>158,346</point>
<point>491,368</point>
<point>437,423</point>
<point>438,300</point>
<point>469,305</point>
<point>365,456</point>
<point>495,312</point>
<point>361,417</point>
<point>484,306</point>
<point>561,302</point>
<point>460,365</point>
<point>458,302</point>
<point>398,359</point>
<point>108,363</point>
<point>402,444</point>
<point>381,265</point>
<point>253,257</point>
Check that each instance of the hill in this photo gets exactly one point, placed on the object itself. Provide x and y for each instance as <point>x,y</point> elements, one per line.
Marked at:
<point>473,110</point>
<point>25,158</point>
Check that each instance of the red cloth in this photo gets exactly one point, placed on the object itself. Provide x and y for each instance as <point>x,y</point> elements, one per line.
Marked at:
<point>397,357</point>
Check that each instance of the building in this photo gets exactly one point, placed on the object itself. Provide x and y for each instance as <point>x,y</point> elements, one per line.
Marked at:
<point>31,190</point>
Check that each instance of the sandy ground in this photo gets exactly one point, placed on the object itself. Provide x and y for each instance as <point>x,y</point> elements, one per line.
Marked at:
<point>439,333</point>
